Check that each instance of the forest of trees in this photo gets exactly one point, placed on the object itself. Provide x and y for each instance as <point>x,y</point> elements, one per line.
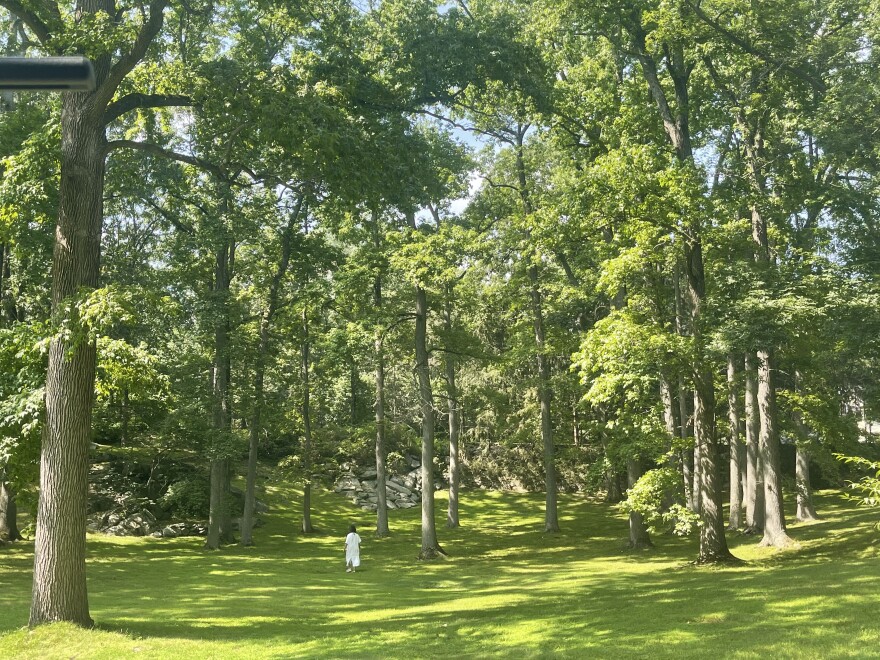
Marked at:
<point>549,244</point>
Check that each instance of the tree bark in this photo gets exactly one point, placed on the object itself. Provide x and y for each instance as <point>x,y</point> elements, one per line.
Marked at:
<point>639,538</point>
<point>452,520</point>
<point>8,512</point>
<point>754,490</point>
<point>307,430</point>
<point>735,448</point>
<point>430,546</point>
<point>691,494</point>
<point>806,512</point>
<point>59,586</point>
<point>382,529</point>
<point>774,517</point>
<point>381,452</point>
<point>219,516</point>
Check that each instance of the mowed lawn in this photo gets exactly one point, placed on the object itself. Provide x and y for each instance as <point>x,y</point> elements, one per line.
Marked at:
<point>506,590</point>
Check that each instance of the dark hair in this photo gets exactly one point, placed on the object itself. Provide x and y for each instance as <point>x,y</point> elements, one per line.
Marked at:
<point>352,529</point>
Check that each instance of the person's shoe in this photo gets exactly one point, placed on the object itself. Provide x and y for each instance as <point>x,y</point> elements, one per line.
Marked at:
<point>348,570</point>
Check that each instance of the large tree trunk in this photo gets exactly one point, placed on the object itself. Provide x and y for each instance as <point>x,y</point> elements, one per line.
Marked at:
<point>430,546</point>
<point>805,510</point>
<point>59,586</point>
<point>754,490</point>
<point>638,532</point>
<point>736,448</point>
<point>307,430</point>
<point>774,517</point>
<point>219,516</point>
<point>454,424</point>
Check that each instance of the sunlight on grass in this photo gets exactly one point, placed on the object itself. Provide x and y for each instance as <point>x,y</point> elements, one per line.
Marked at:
<point>507,590</point>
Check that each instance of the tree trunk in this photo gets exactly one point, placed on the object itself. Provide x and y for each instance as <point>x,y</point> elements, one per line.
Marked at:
<point>691,494</point>
<point>697,472</point>
<point>250,498</point>
<point>307,430</point>
<point>735,448</point>
<point>381,477</point>
<point>774,517</point>
<point>806,512</point>
<point>59,586</point>
<point>638,532</point>
<point>754,491</point>
<point>454,424</point>
<point>430,546</point>
<point>219,516</point>
<point>713,544</point>
<point>8,512</point>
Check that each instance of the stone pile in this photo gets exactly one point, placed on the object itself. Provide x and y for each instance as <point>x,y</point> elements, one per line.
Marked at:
<point>402,491</point>
<point>141,523</point>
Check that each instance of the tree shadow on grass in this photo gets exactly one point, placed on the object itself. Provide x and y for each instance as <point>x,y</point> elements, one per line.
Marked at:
<point>507,586</point>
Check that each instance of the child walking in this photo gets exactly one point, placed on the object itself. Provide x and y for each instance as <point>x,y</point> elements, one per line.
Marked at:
<point>352,550</point>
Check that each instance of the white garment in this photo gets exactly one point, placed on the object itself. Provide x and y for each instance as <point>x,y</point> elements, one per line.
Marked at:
<point>353,549</point>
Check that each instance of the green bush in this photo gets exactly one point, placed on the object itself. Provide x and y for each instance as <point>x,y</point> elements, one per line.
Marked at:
<point>188,498</point>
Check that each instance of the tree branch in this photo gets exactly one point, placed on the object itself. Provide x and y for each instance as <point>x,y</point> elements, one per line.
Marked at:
<point>157,150</point>
<point>805,76</point>
<point>131,102</point>
<point>29,18</point>
<point>129,60</point>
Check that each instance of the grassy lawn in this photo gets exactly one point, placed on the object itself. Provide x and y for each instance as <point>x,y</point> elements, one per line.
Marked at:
<point>507,590</point>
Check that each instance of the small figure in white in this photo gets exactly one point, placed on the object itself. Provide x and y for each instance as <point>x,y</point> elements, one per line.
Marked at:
<point>352,550</point>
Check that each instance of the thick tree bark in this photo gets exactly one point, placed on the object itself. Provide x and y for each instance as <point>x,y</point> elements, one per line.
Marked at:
<point>638,532</point>
<point>736,448</point>
<point>59,586</point>
<point>454,423</point>
<point>774,517</point>
<point>754,490</point>
<point>307,429</point>
<point>806,512</point>
<point>430,546</point>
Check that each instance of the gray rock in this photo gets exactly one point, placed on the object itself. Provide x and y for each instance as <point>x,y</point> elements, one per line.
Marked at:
<point>156,535</point>
<point>261,507</point>
<point>169,533</point>
<point>399,488</point>
<point>368,474</point>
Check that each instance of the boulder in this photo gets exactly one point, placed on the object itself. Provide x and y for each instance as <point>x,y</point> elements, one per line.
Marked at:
<point>399,488</point>
<point>368,474</point>
<point>261,507</point>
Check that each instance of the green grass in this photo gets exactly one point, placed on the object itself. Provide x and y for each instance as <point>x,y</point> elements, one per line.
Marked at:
<point>507,590</point>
